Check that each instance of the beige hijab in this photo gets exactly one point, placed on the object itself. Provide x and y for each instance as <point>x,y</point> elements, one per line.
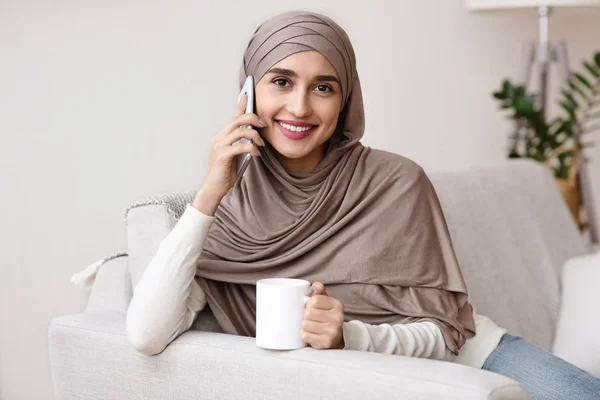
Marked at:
<point>367,223</point>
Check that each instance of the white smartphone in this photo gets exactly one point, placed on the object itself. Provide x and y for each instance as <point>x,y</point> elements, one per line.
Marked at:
<point>244,159</point>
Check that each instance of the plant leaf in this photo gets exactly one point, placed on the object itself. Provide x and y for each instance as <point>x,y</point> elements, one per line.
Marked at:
<point>583,80</point>
<point>561,128</point>
<point>523,105</point>
<point>519,91</point>
<point>592,69</point>
<point>506,87</point>
<point>555,124</point>
<point>573,85</point>
<point>565,154</point>
<point>570,98</point>
<point>597,58</point>
<point>538,156</point>
<point>568,107</point>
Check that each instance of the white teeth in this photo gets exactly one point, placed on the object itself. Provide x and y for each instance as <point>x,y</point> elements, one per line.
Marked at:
<point>295,128</point>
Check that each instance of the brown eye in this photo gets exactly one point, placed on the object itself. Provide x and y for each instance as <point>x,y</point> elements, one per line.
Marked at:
<point>280,80</point>
<point>326,87</point>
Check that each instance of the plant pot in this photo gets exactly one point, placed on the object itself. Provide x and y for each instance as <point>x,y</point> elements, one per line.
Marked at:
<point>569,186</point>
<point>571,194</point>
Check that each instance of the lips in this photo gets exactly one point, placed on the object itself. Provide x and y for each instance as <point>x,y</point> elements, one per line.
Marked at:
<point>296,123</point>
<point>295,135</point>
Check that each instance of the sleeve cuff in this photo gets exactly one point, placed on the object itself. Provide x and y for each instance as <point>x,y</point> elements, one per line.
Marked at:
<point>190,209</point>
<point>352,333</point>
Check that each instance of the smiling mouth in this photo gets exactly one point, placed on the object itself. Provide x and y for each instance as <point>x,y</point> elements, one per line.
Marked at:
<point>295,132</point>
<point>301,127</point>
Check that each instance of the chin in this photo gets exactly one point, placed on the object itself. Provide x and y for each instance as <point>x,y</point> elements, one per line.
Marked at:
<point>291,153</point>
<point>291,150</point>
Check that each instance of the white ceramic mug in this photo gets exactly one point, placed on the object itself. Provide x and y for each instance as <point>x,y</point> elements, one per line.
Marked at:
<point>280,306</point>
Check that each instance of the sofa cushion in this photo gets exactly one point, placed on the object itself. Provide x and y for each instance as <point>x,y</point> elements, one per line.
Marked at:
<point>512,232</point>
<point>148,222</point>
<point>578,330</point>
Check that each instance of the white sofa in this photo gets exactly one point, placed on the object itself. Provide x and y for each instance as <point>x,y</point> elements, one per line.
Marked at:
<point>512,234</point>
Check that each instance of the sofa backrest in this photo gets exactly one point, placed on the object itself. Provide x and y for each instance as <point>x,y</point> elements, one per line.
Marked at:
<point>512,232</point>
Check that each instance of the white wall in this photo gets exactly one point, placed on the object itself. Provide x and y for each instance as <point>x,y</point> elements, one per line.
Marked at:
<point>108,102</point>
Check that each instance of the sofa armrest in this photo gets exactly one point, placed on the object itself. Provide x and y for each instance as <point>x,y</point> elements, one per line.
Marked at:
<point>576,338</point>
<point>148,222</point>
<point>112,287</point>
<point>91,358</point>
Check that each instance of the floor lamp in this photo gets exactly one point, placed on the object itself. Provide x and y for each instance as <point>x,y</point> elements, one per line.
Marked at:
<point>543,54</point>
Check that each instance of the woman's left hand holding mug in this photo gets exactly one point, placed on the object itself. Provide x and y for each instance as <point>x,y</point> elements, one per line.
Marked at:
<point>322,326</point>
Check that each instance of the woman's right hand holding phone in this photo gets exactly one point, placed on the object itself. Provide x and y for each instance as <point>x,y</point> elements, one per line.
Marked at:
<point>222,168</point>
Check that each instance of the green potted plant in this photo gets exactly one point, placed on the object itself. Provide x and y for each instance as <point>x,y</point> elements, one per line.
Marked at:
<point>556,142</point>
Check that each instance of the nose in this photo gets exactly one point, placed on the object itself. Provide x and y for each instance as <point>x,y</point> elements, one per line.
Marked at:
<point>299,104</point>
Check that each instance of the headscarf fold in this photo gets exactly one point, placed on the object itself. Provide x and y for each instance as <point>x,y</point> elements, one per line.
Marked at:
<point>366,223</point>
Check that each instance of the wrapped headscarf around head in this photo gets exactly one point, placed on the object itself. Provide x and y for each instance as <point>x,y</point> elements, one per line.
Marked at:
<point>293,32</point>
<point>366,223</point>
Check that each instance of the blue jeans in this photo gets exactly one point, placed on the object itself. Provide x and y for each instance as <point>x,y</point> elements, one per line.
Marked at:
<point>541,373</point>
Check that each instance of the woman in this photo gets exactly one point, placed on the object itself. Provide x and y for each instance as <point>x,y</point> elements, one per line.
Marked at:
<point>364,225</point>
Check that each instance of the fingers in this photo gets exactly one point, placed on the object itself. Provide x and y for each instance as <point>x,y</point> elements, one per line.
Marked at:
<point>241,107</point>
<point>323,320</point>
<point>310,338</point>
<point>240,133</point>
<point>319,288</point>
<point>239,149</point>
<point>318,341</point>
<point>317,328</point>
<point>334,317</point>
<point>323,302</point>
<point>316,315</point>
<point>319,298</point>
<point>244,119</point>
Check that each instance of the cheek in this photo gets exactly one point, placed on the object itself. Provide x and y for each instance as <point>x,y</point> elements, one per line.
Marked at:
<point>330,111</point>
<point>266,109</point>
<point>330,114</point>
<point>266,103</point>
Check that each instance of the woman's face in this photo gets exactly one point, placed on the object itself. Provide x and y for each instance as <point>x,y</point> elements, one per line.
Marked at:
<point>300,92</point>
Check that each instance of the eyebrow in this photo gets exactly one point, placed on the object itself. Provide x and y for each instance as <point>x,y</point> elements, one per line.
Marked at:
<point>289,72</point>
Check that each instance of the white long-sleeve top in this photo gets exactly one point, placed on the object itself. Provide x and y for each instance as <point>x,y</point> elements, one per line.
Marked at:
<point>167,299</point>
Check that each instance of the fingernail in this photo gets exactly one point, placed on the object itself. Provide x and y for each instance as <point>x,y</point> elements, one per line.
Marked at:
<point>310,291</point>
<point>262,123</point>
<point>262,142</point>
